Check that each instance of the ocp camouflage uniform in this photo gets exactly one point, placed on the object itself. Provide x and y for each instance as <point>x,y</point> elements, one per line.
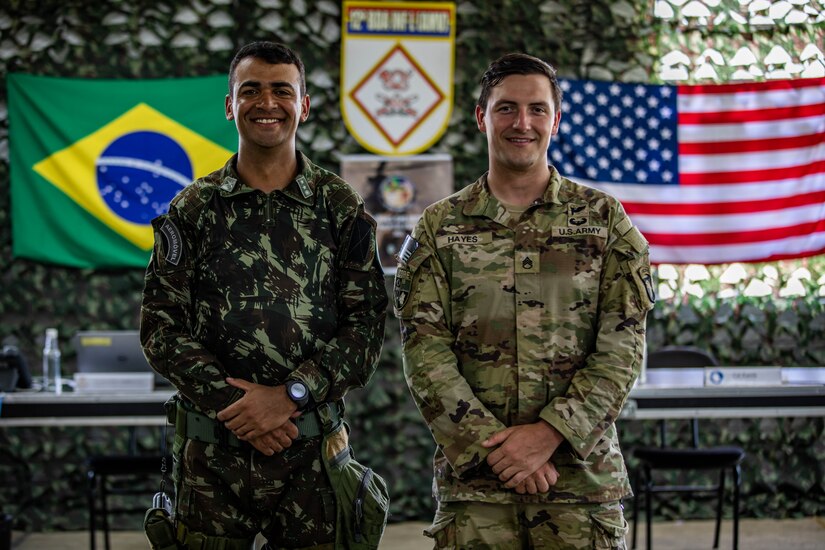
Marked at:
<point>507,321</point>
<point>262,287</point>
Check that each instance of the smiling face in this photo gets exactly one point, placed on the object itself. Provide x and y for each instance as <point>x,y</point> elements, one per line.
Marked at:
<point>266,104</point>
<point>519,120</point>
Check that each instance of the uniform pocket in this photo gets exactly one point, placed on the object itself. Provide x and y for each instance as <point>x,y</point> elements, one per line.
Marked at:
<point>442,530</point>
<point>608,528</point>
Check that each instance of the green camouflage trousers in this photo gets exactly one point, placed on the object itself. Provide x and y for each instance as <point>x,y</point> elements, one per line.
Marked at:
<point>235,493</point>
<point>473,525</point>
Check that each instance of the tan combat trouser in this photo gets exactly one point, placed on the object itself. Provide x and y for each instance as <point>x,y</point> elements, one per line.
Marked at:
<point>472,525</point>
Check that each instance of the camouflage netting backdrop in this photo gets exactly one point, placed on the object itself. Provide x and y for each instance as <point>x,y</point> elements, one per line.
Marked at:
<point>41,470</point>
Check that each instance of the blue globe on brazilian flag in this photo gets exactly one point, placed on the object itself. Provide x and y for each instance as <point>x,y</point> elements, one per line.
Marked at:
<point>94,161</point>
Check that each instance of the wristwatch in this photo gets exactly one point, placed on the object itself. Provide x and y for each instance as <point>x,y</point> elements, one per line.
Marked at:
<point>298,392</point>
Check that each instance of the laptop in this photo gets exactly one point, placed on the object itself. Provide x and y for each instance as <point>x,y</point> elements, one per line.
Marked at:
<point>108,351</point>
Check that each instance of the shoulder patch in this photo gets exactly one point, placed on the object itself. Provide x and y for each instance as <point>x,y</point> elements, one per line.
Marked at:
<point>647,281</point>
<point>360,242</point>
<point>410,258</point>
<point>401,288</point>
<point>172,242</point>
<point>409,246</point>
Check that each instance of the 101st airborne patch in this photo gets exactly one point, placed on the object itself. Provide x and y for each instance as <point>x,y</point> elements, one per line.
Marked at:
<point>401,288</point>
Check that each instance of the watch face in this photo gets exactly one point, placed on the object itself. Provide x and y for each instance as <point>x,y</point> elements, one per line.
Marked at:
<point>298,390</point>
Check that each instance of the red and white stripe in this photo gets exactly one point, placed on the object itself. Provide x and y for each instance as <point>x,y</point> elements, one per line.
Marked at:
<point>752,176</point>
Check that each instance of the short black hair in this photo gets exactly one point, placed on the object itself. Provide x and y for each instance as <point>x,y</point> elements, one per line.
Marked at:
<point>517,63</point>
<point>271,52</point>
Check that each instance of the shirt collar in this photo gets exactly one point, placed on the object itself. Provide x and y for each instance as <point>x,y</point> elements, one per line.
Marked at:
<point>301,188</point>
<point>484,203</point>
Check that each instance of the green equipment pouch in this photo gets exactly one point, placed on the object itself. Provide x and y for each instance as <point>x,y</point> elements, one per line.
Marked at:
<point>361,497</point>
<point>160,530</point>
<point>170,408</point>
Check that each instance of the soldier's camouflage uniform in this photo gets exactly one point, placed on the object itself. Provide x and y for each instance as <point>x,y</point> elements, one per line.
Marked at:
<point>262,287</point>
<point>507,321</point>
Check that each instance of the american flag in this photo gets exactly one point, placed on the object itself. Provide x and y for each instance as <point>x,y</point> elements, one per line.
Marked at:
<point>709,174</point>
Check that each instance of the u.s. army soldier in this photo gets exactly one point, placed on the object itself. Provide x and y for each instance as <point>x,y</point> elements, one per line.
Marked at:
<point>522,301</point>
<point>264,303</point>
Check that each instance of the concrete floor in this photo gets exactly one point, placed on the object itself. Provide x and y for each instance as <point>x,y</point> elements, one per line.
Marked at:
<point>763,534</point>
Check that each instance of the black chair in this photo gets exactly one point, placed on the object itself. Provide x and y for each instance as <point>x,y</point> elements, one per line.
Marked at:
<point>15,482</point>
<point>123,475</point>
<point>126,476</point>
<point>682,459</point>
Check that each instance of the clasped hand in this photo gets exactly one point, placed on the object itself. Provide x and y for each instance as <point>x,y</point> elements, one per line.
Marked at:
<point>522,459</point>
<point>261,416</point>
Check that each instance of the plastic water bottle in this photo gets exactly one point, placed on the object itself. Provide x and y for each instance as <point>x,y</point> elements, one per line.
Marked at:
<point>51,363</point>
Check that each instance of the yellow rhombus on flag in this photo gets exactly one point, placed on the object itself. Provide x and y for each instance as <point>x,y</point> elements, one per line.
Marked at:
<point>74,169</point>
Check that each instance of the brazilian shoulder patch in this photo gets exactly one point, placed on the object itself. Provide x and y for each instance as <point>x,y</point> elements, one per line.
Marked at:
<point>172,242</point>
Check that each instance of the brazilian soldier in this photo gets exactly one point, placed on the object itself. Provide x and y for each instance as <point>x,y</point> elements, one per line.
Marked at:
<point>522,301</point>
<point>264,301</point>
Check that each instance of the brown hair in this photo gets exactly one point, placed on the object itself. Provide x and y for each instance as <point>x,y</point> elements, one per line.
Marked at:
<point>517,63</point>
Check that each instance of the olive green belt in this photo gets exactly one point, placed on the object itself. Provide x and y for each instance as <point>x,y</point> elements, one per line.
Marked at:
<point>197,426</point>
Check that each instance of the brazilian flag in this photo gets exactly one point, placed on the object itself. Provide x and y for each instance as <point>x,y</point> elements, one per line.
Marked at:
<point>94,161</point>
